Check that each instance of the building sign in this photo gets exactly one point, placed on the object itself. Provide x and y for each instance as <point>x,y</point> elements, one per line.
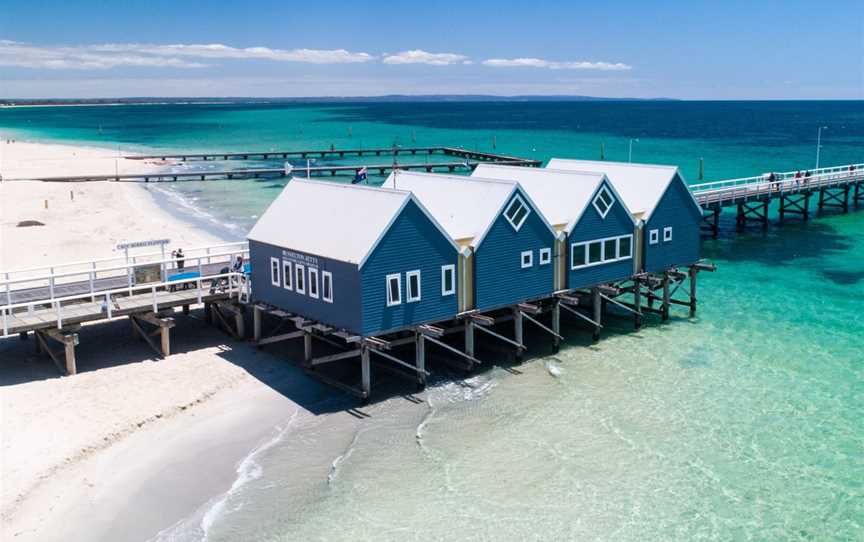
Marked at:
<point>300,258</point>
<point>142,244</point>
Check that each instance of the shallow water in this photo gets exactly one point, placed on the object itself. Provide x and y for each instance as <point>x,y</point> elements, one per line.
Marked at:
<point>745,423</point>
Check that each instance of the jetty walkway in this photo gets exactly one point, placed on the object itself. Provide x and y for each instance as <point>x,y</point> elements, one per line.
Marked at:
<point>836,187</point>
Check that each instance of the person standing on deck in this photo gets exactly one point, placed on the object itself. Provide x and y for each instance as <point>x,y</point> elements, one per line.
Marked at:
<point>180,258</point>
<point>798,178</point>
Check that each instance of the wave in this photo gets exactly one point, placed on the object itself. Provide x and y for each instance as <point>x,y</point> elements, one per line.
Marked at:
<point>196,527</point>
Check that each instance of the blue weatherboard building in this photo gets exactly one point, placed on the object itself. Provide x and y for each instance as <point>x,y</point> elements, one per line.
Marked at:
<point>362,259</point>
<point>595,227</point>
<point>507,244</point>
<point>658,197</point>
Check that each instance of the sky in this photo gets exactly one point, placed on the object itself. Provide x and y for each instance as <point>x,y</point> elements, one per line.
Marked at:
<point>687,49</point>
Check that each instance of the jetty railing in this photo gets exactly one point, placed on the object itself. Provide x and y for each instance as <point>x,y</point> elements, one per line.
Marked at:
<point>232,284</point>
<point>718,192</point>
<point>43,288</point>
<point>98,264</point>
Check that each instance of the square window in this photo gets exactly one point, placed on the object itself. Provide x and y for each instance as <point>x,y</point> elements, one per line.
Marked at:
<point>545,256</point>
<point>625,247</point>
<point>300,279</point>
<point>448,279</point>
<point>274,272</point>
<point>577,255</point>
<point>595,252</point>
<point>412,278</point>
<point>287,273</point>
<point>610,249</point>
<point>394,289</point>
<point>603,201</point>
<point>313,282</point>
<point>527,259</point>
<point>516,213</point>
<point>667,234</point>
<point>327,286</point>
<point>654,237</point>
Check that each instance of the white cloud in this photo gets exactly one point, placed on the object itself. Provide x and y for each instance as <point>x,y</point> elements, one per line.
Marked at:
<point>553,65</point>
<point>418,56</point>
<point>112,55</point>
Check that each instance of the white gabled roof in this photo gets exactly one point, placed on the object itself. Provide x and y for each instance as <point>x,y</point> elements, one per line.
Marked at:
<point>466,207</point>
<point>561,195</point>
<point>333,220</point>
<point>640,185</point>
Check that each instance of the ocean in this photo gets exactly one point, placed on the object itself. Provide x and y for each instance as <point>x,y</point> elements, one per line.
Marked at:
<point>744,423</point>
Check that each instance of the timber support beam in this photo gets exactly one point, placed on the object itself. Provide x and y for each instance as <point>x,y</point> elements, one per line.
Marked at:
<point>68,337</point>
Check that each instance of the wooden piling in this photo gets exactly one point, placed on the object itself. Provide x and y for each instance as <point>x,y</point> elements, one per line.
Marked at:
<point>420,359</point>
<point>556,324</point>
<point>637,303</point>
<point>365,373</point>
<point>596,303</point>
<point>692,272</point>
<point>665,307</point>
<point>518,330</point>
<point>469,337</point>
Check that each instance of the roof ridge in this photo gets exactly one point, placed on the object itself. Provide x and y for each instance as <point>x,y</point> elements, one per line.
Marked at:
<point>458,178</point>
<point>335,184</point>
<point>629,164</point>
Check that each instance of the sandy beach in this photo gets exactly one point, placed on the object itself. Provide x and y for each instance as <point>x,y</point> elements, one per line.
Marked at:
<point>128,430</point>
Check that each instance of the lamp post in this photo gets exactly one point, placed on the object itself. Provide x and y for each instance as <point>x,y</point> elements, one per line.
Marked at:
<point>630,155</point>
<point>819,143</point>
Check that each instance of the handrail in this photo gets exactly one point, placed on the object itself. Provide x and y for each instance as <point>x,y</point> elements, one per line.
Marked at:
<point>778,186</point>
<point>144,255</point>
<point>57,303</point>
<point>779,176</point>
<point>129,266</point>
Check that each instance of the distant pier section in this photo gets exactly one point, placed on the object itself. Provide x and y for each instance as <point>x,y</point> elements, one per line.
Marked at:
<point>467,161</point>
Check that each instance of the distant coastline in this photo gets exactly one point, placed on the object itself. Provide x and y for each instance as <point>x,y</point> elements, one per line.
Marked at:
<point>155,100</point>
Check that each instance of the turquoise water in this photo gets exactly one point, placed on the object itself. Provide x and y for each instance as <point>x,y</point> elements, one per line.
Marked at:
<point>745,423</point>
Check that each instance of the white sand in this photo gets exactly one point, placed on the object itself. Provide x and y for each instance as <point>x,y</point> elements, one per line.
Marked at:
<point>61,450</point>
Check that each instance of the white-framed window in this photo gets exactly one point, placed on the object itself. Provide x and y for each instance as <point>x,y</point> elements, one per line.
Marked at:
<point>667,234</point>
<point>603,201</point>
<point>625,247</point>
<point>394,289</point>
<point>654,237</point>
<point>313,282</point>
<point>287,274</point>
<point>517,212</point>
<point>600,251</point>
<point>274,272</point>
<point>300,278</point>
<point>578,255</point>
<point>412,286</point>
<point>545,256</point>
<point>448,279</point>
<point>527,258</point>
<point>327,286</point>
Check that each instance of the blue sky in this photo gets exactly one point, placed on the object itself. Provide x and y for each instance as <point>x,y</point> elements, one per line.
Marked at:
<point>719,50</point>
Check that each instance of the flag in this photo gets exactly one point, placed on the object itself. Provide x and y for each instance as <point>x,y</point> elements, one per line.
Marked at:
<point>360,176</point>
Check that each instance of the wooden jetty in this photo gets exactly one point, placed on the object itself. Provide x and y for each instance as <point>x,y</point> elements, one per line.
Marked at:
<point>331,153</point>
<point>834,187</point>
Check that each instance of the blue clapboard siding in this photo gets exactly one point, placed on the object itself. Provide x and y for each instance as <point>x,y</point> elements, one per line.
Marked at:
<point>676,209</point>
<point>412,242</point>
<point>343,313</point>
<point>592,226</point>
<point>499,279</point>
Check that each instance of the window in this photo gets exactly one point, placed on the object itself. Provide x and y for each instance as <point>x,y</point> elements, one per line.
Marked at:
<point>654,237</point>
<point>300,278</point>
<point>287,273</point>
<point>545,256</point>
<point>448,279</point>
<point>327,286</point>
<point>667,234</point>
<point>527,259</point>
<point>610,249</point>
<point>313,282</point>
<point>601,251</point>
<point>595,252</point>
<point>394,289</point>
<point>516,213</point>
<point>625,247</point>
<point>412,280</point>
<point>603,201</point>
<point>577,255</point>
<point>274,272</point>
